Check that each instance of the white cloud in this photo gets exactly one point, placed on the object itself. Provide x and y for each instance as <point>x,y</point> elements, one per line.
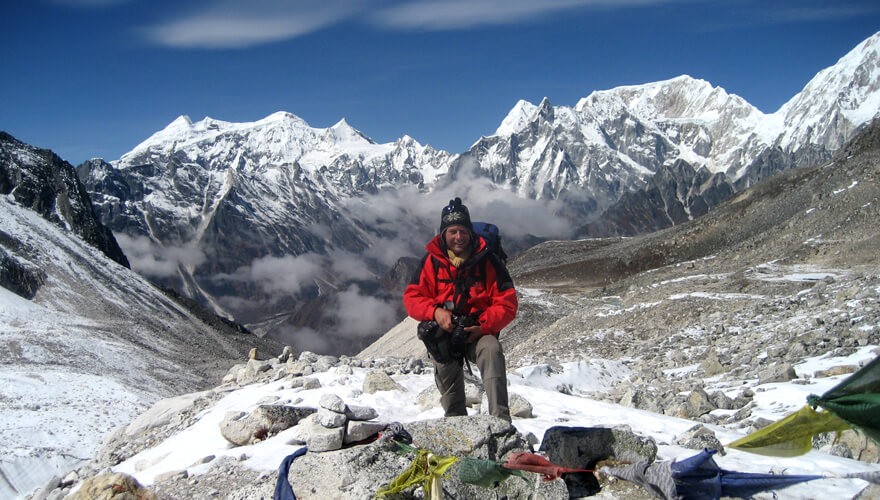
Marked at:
<point>811,13</point>
<point>285,274</point>
<point>459,14</point>
<point>363,315</point>
<point>234,24</point>
<point>90,3</point>
<point>516,217</point>
<point>407,219</point>
<point>346,265</point>
<point>151,259</point>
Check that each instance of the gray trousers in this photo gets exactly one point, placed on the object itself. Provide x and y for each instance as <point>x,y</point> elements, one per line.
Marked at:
<point>487,354</point>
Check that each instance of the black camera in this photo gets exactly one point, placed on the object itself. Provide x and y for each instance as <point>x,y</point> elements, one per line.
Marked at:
<point>459,337</point>
<point>436,341</point>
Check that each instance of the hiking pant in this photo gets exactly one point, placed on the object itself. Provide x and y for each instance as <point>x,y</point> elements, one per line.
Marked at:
<point>487,354</point>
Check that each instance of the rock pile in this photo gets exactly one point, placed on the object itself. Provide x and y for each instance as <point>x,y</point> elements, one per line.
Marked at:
<point>344,459</point>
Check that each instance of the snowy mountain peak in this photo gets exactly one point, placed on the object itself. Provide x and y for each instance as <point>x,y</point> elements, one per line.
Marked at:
<point>517,118</point>
<point>343,132</point>
<point>679,97</point>
<point>836,101</point>
<point>182,121</point>
<point>407,141</point>
<point>281,117</point>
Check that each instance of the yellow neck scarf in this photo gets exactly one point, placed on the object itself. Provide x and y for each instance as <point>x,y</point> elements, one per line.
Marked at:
<point>456,260</point>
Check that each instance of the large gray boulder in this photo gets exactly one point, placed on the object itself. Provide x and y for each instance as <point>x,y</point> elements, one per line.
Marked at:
<point>241,428</point>
<point>584,447</point>
<point>359,471</point>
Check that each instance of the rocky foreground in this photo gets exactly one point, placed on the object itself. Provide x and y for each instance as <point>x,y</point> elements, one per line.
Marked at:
<point>724,335</point>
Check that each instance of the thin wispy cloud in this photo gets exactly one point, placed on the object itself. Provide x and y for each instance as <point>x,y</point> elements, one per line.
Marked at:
<point>224,24</point>
<point>90,3</point>
<point>463,14</point>
<point>232,24</point>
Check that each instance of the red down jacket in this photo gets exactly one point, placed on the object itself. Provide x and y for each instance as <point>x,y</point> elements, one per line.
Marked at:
<point>492,299</point>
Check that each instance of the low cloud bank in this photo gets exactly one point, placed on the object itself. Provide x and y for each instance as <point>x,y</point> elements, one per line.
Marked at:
<point>156,261</point>
<point>399,222</point>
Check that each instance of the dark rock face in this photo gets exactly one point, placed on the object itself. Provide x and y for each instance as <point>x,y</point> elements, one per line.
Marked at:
<point>400,274</point>
<point>232,220</point>
<point>38,179</point>
<point>675,194</point>
<point>16,274</point>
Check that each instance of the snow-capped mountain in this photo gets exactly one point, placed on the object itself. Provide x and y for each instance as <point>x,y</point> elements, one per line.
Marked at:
<point>244,216</point>
<point>601,154</point>
<point>612,141</point>
<point>272,221</point>
<point>834,103</point>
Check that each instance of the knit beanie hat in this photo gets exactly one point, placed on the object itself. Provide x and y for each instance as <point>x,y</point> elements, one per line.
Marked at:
<point>455,214</point>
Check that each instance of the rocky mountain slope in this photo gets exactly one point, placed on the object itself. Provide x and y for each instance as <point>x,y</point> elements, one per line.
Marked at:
<point>787,267</point>
<point>253,219</point>
<point>771,254</point>
<point>85,341</point>
<point>40,180</point>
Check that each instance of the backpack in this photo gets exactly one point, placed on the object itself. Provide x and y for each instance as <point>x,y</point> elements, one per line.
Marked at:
<point>492,235</point>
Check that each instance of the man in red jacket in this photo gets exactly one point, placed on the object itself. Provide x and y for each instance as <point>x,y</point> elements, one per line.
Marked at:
<point>462,282</point>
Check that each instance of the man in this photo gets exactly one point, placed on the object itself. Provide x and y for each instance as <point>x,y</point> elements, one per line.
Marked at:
<point>460,277</point>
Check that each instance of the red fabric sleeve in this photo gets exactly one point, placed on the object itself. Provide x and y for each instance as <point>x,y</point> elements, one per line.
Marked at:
<point>502,305</point>
<point>420,299</point>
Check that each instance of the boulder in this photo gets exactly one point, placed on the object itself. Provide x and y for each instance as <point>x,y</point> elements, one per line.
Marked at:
<point>378,380</point>
<point>325,439</point>
<point>359,430</point>
<point>699,403</point>
<point>777,373</point>
<point>162,412</point>
<point>116,486</point>
<point>700,437</point>
<point>241,429</point>
<point>583,447</point>
<point>356,412</point>
<point>331,419</point>
<point>519,406</point>
<point>332,402</point>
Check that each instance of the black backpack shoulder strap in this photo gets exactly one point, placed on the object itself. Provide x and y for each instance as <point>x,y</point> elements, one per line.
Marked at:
<point>502,276</point>
<point>417,274</point>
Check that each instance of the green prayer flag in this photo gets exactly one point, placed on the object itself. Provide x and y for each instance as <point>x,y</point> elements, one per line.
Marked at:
<point>856,399</point>
<point>791,436</point>
<point>485,473</point>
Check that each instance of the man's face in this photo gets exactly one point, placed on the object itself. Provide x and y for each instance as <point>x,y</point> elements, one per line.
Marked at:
<point>458,239</point>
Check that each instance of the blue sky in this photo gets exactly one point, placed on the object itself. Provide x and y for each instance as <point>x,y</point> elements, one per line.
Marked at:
<point>93,78</point>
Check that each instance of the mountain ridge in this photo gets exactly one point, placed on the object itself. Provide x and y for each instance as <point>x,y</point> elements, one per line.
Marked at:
<point>281,193</point>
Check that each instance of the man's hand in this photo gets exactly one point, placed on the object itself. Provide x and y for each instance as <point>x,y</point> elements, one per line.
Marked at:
<point>475,333</point>
<point>443,317</point>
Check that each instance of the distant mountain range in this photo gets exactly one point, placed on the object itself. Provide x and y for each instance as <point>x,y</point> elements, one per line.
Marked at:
<point>284,226</point>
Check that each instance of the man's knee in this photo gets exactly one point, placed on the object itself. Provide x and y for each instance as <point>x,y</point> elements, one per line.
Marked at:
<point>488,344</point>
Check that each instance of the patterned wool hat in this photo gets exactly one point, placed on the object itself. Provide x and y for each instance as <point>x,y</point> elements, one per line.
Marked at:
<point>455,214</point>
